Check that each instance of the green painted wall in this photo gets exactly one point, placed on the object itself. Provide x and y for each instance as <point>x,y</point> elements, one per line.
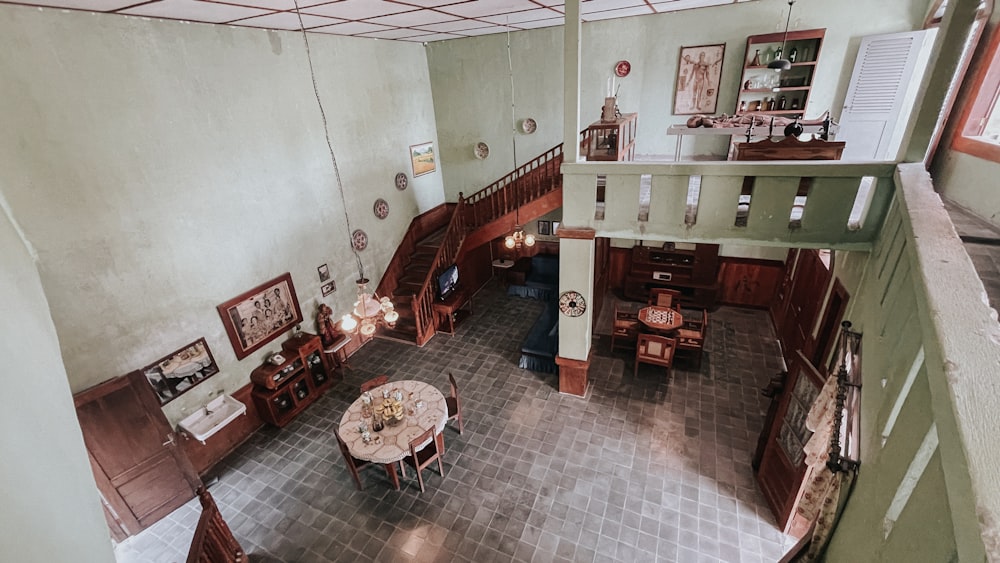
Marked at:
<point>50,510</point>
<point>472,86</point>
<point>161,168</point>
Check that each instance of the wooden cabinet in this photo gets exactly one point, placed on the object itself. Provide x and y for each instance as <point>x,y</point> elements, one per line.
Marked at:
<point>691,269</point>
<point>610,140</point>
<point>785,93</point>
<point>280,392</point>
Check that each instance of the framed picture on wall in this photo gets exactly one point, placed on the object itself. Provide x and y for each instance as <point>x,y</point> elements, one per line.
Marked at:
<point>256,317</point>
<point>422,157</point>
<point>544,228</point>
<point>178,372</point>
<point>329,288</point>
<point>699,71</point>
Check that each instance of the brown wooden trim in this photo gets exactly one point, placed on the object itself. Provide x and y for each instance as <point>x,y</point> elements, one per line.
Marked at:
<point>979,99</point>
<point>751,261</point>
<point>573,374</point>
<point>581,233</point>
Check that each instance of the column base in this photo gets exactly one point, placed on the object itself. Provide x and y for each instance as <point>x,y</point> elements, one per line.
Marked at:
<point>573,375</point>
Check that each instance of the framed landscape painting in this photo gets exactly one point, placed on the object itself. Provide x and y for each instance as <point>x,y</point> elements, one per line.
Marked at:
<point>422,157</point>
<point>256,317</point>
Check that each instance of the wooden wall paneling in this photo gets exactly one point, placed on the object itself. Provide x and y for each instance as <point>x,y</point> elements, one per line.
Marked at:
<point>619,264</point>
<point>749,282</point>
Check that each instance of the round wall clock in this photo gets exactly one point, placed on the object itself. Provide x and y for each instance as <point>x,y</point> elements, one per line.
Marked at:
<point>622,68</point>
<point>482,150</point>
<point>572,304</point>
<point>401,181</point>
<point>359,239</point>
<point>381,208</point>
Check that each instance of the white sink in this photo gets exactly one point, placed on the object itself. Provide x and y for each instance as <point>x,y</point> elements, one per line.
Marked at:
<point>211,418</point>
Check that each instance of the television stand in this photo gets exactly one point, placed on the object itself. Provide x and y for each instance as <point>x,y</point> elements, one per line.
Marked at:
<point>452,309</point>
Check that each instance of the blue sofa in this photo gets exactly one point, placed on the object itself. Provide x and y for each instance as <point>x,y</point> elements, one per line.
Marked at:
<point>540,346</point>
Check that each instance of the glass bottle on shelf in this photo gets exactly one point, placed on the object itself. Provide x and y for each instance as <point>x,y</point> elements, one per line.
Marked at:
<point>793,53</point>
<point>777,54</point>
<point>755,61</point>
<point>781,102</point>
<point>768,56</point>
<point>770,104</point>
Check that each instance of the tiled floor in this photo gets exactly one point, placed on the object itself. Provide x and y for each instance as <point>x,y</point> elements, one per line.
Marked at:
<point>643,469</point>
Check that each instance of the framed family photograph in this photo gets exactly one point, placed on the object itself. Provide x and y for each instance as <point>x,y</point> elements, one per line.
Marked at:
<point>699,71</point>
<point>178,372</point>
<point>544,228</point>
<point>256,317</point>
<point>422,157</point>
<point>324,272</point>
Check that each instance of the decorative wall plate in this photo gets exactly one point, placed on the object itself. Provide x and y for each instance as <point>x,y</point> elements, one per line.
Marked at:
<point>572,304</point>
<point>481,150</point>
<point>381,208</point>
<point>401,181</point>
<point>359,239</point>
<point>622,68</point>
<point>528,126</point>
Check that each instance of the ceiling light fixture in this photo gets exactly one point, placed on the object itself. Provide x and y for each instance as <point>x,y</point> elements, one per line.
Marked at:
<point>518,238</point>
<point>779,64</point>
<point>369,309</point>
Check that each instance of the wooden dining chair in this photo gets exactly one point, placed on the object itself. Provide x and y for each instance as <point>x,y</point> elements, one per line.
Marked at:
<point>625,327</point>
<point>663,297</point>
<point>354,465</point>
<point>422,456</point>
<point>374,382</point>
<point>691,338</point>
<point>655,349</point>
<point>453,403</point>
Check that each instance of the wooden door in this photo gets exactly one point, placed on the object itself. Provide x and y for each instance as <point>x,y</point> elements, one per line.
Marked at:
<point>140,471</point>
<point>782,465</point>
<point>880,96</point>
<point>808,286</point>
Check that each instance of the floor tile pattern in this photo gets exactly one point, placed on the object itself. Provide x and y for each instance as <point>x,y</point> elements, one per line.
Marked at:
<point>646,468</point>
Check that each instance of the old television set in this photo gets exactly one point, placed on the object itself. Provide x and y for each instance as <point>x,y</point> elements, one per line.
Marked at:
<point>447,282</point>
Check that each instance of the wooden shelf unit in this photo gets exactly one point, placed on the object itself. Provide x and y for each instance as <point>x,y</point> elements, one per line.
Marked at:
<point>692,270</point>
<point>281,392</point>
<point>794,85</point>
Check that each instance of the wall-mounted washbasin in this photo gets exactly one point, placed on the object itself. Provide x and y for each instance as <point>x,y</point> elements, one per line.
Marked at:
<point>211,418</point>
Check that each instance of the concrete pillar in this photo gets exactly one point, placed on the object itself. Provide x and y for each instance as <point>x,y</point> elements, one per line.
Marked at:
<point>576,274</point>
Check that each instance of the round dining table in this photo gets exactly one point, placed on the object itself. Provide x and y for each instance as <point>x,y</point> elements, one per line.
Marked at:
<point>391,444</point>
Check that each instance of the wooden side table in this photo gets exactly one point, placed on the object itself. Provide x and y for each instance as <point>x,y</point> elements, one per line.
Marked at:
<point>337,353</point>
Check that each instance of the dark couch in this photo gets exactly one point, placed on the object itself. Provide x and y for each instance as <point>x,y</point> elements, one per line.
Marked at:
<point>540,346</point>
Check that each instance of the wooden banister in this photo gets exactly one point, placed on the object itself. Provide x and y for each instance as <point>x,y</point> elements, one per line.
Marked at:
<point>423,313</point>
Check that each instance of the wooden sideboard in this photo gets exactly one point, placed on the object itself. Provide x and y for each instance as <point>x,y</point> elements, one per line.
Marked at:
<point>282,391</point>
<point>691,269</point>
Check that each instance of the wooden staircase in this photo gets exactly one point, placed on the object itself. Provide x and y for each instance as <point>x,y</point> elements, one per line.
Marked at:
<point>441,237</point>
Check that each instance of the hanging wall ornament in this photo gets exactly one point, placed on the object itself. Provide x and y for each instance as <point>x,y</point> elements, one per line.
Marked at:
<point>359,239</point>
<point>381,208</point>
<point>402,181</point>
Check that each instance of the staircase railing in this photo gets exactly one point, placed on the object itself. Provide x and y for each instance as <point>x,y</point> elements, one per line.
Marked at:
<point>423,312</point>
<point>532,180</point>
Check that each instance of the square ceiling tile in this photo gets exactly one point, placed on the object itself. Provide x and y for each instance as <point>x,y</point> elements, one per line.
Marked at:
<point>193,10</point>
<point>89,5</point>
<point>351,28</point>
<point>621,13</point>
<point>455,25</point>
<point>551,22</point>
<point>478,8</point>
<point>286,20</point>
<point>428,3</point>
<point>485,30</point>
<point>518,17</point>
<point>394,33</point>
<point>411,19</point>
<point>676,5</point>
<point>358,9</point>
<point>432,37</point>
<point>605,5</point>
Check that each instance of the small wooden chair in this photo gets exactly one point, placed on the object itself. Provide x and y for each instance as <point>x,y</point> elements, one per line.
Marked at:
<point>654,349</point>
<point>374,382</point>
<point>424,456</point>
<point>663,297</point>
<point>624,328</point>
<point>691,338</point>
<point>354,465</point>
<point>454,404</point>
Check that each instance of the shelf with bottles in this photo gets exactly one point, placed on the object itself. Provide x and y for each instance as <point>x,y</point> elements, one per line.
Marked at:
<point>802,49</point>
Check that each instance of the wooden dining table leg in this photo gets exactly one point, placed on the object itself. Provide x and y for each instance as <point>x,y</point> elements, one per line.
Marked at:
<point>390,469</point>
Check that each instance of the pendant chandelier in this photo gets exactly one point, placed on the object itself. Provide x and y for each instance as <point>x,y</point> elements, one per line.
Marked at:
<point>781,64</point>
<point>369,310</point>
<point>518,238</point>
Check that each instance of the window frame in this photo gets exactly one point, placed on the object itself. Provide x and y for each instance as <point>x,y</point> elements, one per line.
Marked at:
<point>981,102</point>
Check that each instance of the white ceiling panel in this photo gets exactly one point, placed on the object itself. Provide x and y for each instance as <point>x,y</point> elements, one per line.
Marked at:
<point>455,25</point>
<point>432,37</point>
<point>193,10</point>
<point>352,28</point>
<point>286,20</point>
<point>358,9</point>
<point>413,19</point>
<point>541,23</point>
<point>518,17</point>
<point>478,8</point>
<point>89,5</point>
<point>622,13</point>
<point>605,5</point>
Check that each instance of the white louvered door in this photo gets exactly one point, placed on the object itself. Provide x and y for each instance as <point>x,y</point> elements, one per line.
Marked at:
<point>886,78</point>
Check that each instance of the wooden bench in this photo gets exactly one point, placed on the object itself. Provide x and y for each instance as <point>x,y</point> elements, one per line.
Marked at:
<point>451,309</point>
